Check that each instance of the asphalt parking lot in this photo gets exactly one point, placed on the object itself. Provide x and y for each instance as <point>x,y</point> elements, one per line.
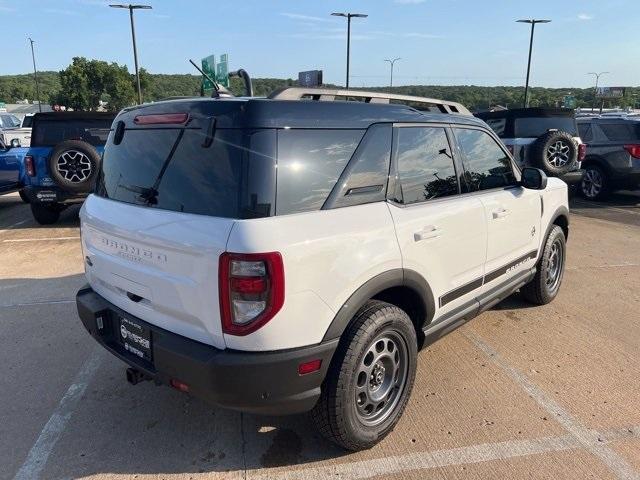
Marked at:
<point>520,392</point>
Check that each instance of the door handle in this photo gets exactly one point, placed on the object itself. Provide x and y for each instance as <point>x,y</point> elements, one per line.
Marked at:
<point>427,232</point>
<point>503,212</point>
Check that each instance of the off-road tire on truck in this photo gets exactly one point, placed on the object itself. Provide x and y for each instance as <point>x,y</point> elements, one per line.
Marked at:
<point>74,165</point>
<point>23,196</point>
<point>555,152</point>
<point>370,378</point>
<point>46,214</point>
<point>550,269</point>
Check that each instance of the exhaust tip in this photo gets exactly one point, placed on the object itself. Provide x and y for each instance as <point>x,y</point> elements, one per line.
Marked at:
<point>135,376</point>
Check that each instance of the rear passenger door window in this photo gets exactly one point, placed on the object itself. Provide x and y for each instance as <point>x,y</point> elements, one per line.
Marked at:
<point>486,164</point>
<point>425,166</point>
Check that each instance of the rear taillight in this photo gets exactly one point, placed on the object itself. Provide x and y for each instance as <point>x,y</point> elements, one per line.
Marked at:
<point>634,150</point>
<point>582,151</point>
<point>251,290</point>
<point>29,166</point>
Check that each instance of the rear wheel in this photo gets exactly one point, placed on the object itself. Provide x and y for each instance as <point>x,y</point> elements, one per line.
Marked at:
<point>46,214</point>
<point>370,378</point>
<point>23,196</point>
<point>595,184</point>
<point>545,285</point>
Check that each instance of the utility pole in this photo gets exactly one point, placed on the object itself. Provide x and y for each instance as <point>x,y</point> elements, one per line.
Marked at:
<point>349,16</point>
<point>533,22</point>
<point>391,63</point>
<point>595,90</point>
<point>131,8</point>
<point>35,76</point>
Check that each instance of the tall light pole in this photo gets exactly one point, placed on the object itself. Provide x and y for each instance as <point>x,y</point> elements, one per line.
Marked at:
<point>35,75</point>
<point>349,16</point>
<point>533,22</point>
<point>131,8</point>
<point>392,63</point>
<point>595,90</point>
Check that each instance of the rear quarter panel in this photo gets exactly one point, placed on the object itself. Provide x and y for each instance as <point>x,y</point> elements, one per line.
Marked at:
<point>327,255</point>
<point>555,198</point>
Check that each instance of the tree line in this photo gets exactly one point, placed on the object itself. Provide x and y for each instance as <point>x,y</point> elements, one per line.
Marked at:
<point>84,84</point>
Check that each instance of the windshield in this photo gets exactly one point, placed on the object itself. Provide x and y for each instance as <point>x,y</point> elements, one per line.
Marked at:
<point>533,127</point>
<point>49,133</point>
<point>176,169</point>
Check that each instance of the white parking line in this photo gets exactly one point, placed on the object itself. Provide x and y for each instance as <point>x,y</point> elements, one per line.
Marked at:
<point>588,439</point>
<point>442,458</point>
<point>11,227</point>
<point>39,453</point>
<point>611,265</point>
<point>45,239</point>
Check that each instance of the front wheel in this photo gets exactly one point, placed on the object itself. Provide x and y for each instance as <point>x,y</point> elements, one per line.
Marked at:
<point>594,185</point>
<point>370,379</point>
<point>546,283</point>
<point>46,214</point>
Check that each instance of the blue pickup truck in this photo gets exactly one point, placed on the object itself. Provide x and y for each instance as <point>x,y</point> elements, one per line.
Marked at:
<point>60,166</point>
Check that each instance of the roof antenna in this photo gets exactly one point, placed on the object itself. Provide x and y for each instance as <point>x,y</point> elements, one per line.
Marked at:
<point>216,87</point>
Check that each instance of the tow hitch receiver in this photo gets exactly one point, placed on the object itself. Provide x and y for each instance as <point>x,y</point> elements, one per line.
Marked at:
<point>136,376</point>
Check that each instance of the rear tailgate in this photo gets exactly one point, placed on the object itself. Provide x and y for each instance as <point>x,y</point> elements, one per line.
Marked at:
<point>156,265</point>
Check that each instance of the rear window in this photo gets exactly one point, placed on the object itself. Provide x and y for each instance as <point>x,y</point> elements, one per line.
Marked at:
<point>49,132</point>
<point>533,127</point>
<point>233,177</point>
<point>622,131</point>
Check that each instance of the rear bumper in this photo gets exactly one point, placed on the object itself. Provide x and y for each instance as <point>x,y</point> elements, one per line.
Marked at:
<point>52,195</point>
<point>257,382</point>
<point>572,178</point>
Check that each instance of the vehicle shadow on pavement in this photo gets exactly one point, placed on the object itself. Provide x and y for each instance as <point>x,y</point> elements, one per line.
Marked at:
<point>13,209</point>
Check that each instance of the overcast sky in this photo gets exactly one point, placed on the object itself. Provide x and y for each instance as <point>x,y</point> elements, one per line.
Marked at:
<point>446,42</point>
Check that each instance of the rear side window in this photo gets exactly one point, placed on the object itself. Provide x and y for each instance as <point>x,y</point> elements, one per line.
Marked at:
<point>424,164</point>
<point>533,127</point>
<point>27,121</point>
<point>234,177</point>
<point>498,125</point>
<point>49,133</point>
<point>621,132</point>
<point>586,131</point>
<point>486,164</point>
<point>309,164</point>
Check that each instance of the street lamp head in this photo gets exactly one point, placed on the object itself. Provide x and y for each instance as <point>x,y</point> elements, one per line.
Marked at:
<point>336,14</point>
<point>533,20</point>
<point>131,7</point>
<point>360,15</point>
<point>349,15</point>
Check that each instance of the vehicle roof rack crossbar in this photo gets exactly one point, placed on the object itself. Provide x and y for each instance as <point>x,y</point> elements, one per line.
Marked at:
<point>331,94</point>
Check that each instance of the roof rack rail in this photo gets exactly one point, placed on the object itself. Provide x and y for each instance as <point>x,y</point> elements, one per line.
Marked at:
<point>330,94</point>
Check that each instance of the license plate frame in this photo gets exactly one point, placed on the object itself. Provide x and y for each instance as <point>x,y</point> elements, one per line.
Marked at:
<point>135,337</point>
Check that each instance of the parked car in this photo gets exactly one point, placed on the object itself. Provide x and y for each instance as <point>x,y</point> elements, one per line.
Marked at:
<point>12,168</point>
<point>10,130</point>
<point>310,286</point>
<point>613,162</point>
<point>546,138</point>
<point>62,163</point>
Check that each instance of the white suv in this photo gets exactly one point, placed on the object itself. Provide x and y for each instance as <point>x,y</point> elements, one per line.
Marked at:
<point>294,253</point>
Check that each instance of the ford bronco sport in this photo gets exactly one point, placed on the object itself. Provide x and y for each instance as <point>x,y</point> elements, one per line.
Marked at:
<point>293,253</point>
<point>63,160</point>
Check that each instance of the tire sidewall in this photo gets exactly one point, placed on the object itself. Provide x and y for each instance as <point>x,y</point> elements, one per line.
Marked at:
<point>78,145</point>
<point>555,234</point>
<point>603,188</point>
<point>367,434</point>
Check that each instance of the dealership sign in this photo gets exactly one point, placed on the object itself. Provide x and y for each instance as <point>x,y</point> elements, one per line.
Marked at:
<point>610,92</point>
<point>310,78</point>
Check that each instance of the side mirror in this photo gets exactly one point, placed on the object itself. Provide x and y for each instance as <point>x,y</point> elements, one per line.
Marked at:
<point>533,178</point>
<point>15,143</point>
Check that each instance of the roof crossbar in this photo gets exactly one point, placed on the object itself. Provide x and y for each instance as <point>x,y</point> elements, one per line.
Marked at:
<point>332,94</point>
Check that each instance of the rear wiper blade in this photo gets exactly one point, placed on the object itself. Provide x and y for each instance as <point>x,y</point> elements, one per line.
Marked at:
<point>146,194</point>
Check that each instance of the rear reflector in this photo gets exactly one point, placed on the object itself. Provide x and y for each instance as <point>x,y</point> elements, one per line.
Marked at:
<point>309,367</point>
<point>161,119</point>
<point>634,150</point>
<point>29,166</point>
<point>178,385</point>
